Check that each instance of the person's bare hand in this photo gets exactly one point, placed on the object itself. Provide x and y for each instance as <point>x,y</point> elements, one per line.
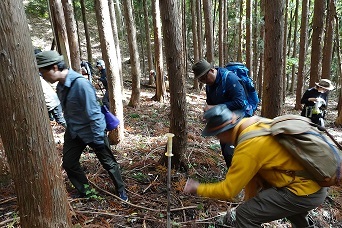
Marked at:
<point>191,186</point>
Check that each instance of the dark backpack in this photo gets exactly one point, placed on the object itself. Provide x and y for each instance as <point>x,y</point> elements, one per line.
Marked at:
<point>88,67</point>
<point>252,96</point>
<point>308,142</point>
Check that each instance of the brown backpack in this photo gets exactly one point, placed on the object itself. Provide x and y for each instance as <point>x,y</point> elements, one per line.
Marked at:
<point>308,142</point>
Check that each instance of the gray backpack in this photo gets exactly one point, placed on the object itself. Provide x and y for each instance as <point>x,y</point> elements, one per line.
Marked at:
<point>308,142</point>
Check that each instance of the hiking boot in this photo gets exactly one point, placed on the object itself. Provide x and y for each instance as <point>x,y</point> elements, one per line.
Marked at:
<point>123,196</point>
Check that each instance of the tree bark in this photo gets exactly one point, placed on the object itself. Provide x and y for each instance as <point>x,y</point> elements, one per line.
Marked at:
<point>86,31</point>
<point>328,41</point>
<point>71,30</point>
<point>316,47</point>
<point>209,36</point>
<point>112,70</point>
<point>25,127</point>
<point>272,103</point>
<point>174,61</point>
<point>220,35</point>
<point>158,53</point>
<point>151,79</point>
<point>249,51</point>
<point>59,29</point>
<point>302,53</point>
<point>294,50</point>
<point>116,40</point>
<point>133,53</point>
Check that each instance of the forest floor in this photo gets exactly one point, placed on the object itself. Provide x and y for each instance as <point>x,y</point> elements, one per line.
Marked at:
<point>138,155</point>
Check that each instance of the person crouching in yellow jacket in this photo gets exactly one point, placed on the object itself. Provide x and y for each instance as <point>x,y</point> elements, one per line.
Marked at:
<point>258,160</point>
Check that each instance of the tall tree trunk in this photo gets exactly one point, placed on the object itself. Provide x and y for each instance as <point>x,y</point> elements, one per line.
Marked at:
<point>240,29</point>
<point>316,47</point>
<point>158,53</point>
<point>86,31</point>
<point>195,37</point>
<point>133,53</point>
<point>112,69</point>
<point>77,30</point>
<point>208,21</point>
<point>302,53</point>
<point>294,50</point>
<point>185,38</point>
<point>119,19</point>
<point>220,35</point>
<point>249,50</point>
<point>261,53</point>
<point>272,103</point>
<point>59,29</point>
<point>72,35</point>
<point>286,47</point>
<point>116,40</point>
<point>328,40</point>
<point>25,128</point>
<point>199,47</point>
<point>255,30</point>
<point>148,43</point>
<point>174,61</point>
<point>225,33</point>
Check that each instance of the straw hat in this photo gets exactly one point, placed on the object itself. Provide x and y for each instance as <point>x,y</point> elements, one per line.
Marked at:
<point>325,84</point>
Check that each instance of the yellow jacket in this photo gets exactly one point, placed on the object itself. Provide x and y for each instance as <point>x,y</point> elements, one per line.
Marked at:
<point>261,157</point>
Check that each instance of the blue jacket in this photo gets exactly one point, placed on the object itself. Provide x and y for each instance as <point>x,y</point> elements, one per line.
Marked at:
<point>81,110</point>
<point>103,78</point>
<point>228,90</point>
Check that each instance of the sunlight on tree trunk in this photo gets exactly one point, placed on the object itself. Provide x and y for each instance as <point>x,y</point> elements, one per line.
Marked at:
<point>59,29</point>
<point>158,53</point>
<point>112,70</point>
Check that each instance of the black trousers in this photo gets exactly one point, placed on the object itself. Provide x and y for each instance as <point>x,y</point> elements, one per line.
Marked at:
<point>72,151</point>
<point>227,153</point>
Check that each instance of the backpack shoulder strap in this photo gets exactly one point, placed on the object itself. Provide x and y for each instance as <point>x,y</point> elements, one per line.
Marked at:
<point>255,133</point>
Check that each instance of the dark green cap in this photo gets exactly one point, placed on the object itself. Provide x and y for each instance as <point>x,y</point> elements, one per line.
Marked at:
<point>201,67</point>
<point>47,58</point>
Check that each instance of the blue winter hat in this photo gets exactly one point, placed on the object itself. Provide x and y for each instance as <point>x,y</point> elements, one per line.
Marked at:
<point>100,63</point>
<point>219,119</point>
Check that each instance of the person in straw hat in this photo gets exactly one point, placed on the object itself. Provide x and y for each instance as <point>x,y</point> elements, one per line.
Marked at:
<point>258,160</point>
<point>315,100</point>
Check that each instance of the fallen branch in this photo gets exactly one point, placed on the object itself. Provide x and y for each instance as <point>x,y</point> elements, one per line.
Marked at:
<point>8,200</point>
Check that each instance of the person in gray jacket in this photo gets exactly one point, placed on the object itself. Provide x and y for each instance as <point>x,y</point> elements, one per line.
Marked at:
<point>85,122</point>
<point>53,104</point>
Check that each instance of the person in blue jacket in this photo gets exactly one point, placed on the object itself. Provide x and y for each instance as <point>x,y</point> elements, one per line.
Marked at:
<point>100,64</point>
<point>222,87</point>
<point>85,122</point>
